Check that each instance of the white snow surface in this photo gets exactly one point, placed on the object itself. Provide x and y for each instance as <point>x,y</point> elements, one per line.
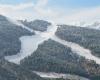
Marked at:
<point>79,50</point>
<point>59,75</point>
<point>30,43</point>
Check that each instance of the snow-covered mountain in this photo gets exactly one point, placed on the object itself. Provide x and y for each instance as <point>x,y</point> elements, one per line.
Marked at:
<point>44,47</point>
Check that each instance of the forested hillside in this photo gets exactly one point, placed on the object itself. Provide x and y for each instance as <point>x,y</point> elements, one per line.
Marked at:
<point>9,37</point>
<point>88,38</point>
<point>39,25</point>
<point>52,56</point>
<point>10,71</point>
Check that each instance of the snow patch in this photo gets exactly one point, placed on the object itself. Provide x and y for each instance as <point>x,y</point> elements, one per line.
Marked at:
<point>59,75</point>
<point>30,43</point>
<point>78,49</point>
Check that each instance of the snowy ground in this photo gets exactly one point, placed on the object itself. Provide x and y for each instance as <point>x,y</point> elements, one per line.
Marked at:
<point>30,43</point>
<point>78,49</point>
<point>59,75</point>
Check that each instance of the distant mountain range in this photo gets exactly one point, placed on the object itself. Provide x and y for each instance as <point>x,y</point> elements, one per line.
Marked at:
<point>94,25</point>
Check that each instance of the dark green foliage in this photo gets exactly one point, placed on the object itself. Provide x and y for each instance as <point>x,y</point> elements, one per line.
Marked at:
<point>50,56</point>
<point>10,71</point>
<point>54,57</point>
<point>88,38</point>
<point>39,25</point>
<point>9,37</point>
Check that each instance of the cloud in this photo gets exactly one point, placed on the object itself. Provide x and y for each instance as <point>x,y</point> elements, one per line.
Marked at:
<point>41,3</point>
<point>25,10</point>
<point>41,10</point>
<point>85,14</point>
<point>9,10</point>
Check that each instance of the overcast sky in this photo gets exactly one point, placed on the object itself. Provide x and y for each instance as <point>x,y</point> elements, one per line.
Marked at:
<point>63,11</point>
